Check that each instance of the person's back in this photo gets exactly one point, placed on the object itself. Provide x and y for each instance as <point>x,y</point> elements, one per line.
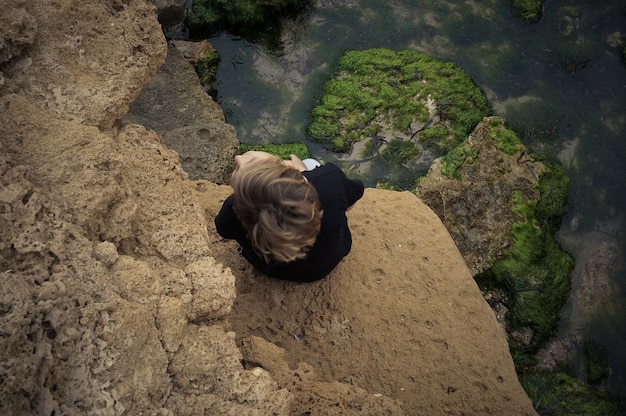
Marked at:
<point>290,222</point>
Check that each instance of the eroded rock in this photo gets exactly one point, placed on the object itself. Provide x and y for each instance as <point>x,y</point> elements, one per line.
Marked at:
<point>90,59</point>
<point>476,205</point>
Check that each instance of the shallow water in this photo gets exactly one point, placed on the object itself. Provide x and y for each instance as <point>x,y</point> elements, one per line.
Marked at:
<point>560,84</point>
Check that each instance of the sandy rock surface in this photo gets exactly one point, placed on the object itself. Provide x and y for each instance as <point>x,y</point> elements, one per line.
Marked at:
<point>400,317</point>
<point>82,55</point>
<point>110,297</point>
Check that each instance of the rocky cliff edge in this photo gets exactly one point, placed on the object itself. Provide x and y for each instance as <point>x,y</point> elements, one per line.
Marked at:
<point>117,297</point>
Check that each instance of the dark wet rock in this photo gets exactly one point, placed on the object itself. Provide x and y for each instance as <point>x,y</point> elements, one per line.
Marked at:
<point>171,12</point>
<point>502,208</point>
<point>187,120</point>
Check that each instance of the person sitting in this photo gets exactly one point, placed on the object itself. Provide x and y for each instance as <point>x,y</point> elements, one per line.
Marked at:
<point>290,222</point>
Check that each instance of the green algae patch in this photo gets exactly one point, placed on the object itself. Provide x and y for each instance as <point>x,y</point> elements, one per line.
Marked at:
<point>206,67</point>
<point>399,152</point>
<point>399,95</point>
<point>536,274</point>
<point>529,10</point>
<point>559,393</point>
<point>505,138</point>
<point>535,270</point>
<point>456,158</point>
<point>505,141</point>
<point>282,150</point>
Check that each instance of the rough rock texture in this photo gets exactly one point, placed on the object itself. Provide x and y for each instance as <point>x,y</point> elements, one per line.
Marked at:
<point>17,31</point>
<point>476,206</point>
<point>187,119</point>
<point>83,54</point>
<point>112,296</point>
<point>110,301</point>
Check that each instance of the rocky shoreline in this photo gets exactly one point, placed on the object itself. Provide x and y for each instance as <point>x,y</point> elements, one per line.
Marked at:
<point>118,297</point>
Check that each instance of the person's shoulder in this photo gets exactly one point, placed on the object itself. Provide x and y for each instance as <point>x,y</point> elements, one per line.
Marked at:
<point>325,169</point>
<point>324,166</point>
<point>331,166</point>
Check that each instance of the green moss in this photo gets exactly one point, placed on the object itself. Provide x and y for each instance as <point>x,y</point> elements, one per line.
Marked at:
<point>558,393</point>
<point>202,15</point>
<point>380,88</point>
<point>385,185</point>
<point>455,158</point>
<point>399,152</point>
<point>529,10</point>
<point>535,271</point>
<point>206,67</point>
<point>553,187</point>
<point>283,150</point>
<point>506,139</point>
<point>432,136</point>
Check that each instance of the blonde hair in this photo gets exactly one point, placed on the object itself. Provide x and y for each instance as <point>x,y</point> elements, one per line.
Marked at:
<point>278,208</point>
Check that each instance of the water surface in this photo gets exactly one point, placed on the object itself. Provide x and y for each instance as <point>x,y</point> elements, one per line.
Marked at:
<point>560,83</point>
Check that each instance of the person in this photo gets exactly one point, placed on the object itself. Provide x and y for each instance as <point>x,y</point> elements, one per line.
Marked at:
<point>289,221</point>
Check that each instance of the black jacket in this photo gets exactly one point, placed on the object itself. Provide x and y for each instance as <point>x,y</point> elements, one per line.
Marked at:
<point>333,243</point>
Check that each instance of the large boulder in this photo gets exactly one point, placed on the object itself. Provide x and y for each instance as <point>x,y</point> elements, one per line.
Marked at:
<point>85,60</point>
<point>400,317</point>
<point>109,291</point>
<point>502,207</point>
<point>107,283</point>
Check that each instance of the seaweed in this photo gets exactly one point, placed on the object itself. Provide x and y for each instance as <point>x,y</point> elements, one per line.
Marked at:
<point>559,393</point>
<point>399,152</point>
<point>206,67</point>
<point>535,270</point>
<point>282,150</point>
<point>375,89</point>
<point>505,138</point>
<point>455,158</point>
<point>529,10</point>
